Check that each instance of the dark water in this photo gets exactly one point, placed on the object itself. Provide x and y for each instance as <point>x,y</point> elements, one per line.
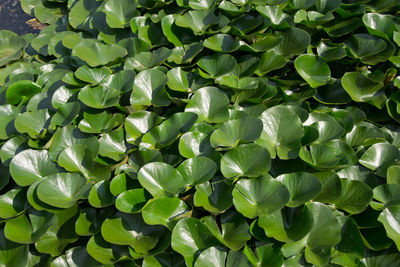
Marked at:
<point>13,18</point>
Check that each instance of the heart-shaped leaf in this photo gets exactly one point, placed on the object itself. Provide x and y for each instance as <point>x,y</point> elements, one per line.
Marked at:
<point>257,196</point>
<point>274,135</point>
<point>149,88</point>
<point>230,133</point>
<point>210,104</point>
<point>197,170</point>
<point>249,160</point>
<point>189,237</point>
<point>63,190</point>
<point>161,179</point>
<point>302,187</point>
<point>31,165</point>
<point>165,211</point>
<point>313,70</point>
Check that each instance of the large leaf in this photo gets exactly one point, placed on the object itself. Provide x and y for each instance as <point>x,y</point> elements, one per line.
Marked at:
<point>96,53</point>
<point>359,87</point>
<point>313,70</point>
<point>119,12</point>
<point>11,46</point>
<point>161,179</point>
<point>379,157</point>
<point>63,190</point>
<point>79,158</point>
<point>189,237</point>
<point>257,196</point>
<point>149,89</point>
<point>324,234</point>
<point>230,133</point>
<point>249,160</point>
<point>210,104</point>
<point>197,170</point>
<point>218,64</point>
<point>302,187</point>
<point>165,211</point>
<point>31,165</point>
<point>275,137</point>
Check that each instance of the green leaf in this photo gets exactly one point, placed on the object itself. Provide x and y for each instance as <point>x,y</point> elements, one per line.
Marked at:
<point>379,25</point>
<point>387,195</point>
<point>63,190</point>
<point>355,196</point>
<point>130,229</point>
<point>257,196</point>
<point>197,20</point>
<point>92,75</point>
<point>11,46</point>
<point>189,237</point>
<point>22,90</point>
<point>11,252</point>
<point>138,123</point>
<point>149,88</point>
<point>104,252</point>
<point>112,145</point>
<point>330,52</point>
<point>210,104</point>
<point>119,12</point>
<point>234,231</point>
<point>193,144</point>
<point>197,170</point>
<point>100,121</point>
<point>132,201</point>
<point>179,80</point>
<point>214,196</point>
<point>217,65</point>
<point>302,187</point>
<point>8,113</point>
<point>324,234</point>
<point>275,136</point>
<point>390,218</point>
<point>249,160</point>
<point>328,128</point>
<point>313,70</point>
<point>165,211</point>
<point>211,256</point>
<point>19,229</point>
<point>70,135</point>
<point>99,96</point>
<point>31,165</point>
<point>293,42</point>
<point>100,195</point>
<point>96,54</point>
<point>79,158</point>
<point>359,87</point>
<point>146,60</point>
<point>161,179</point>
<point>12,203</point>
<point>270,61</point>
<point>32,122</point>
<point>230,133</point>
<point>379,157</point>
<point>198,4</point>
<point>222,43</point>
<point>362,45</point>
<point>169,130</point>
<point>331,186</point>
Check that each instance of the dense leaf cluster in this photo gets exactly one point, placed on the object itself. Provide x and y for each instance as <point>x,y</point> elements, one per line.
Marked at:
<point>201,133</point>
